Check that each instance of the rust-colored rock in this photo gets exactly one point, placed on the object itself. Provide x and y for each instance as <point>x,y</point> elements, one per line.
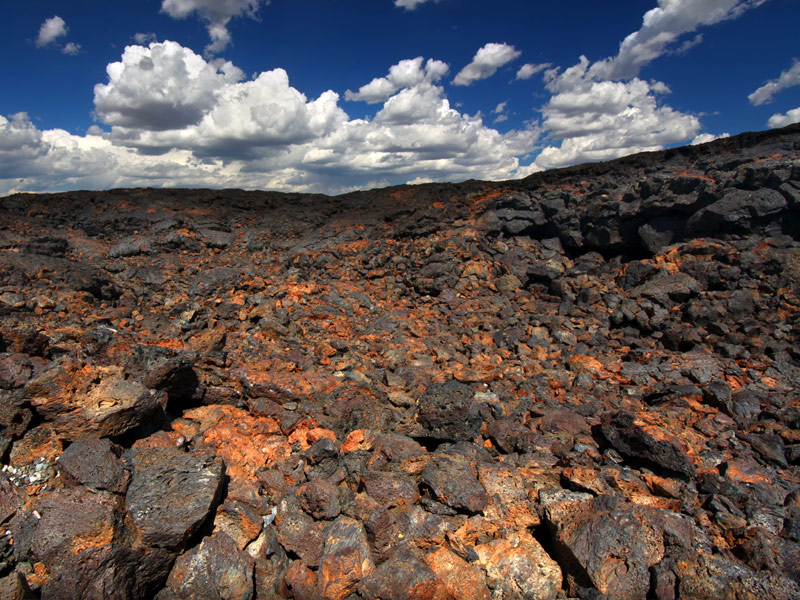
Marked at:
<point>454,483</point>
<point>462,580</point>
<point>346,559</point>
<point>520,568</point>
<point>404,577</point>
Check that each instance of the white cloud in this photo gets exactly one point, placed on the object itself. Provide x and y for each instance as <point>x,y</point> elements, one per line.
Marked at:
<point>600,119</point>
<point>166,96</point>
<point>486,62</point>
<point>418,134</point>
<point>52,29</point>
<point>782,120</point>
<point>164,86</point>
<point>689,44</point>
<point>223,131</point>
<point>529,70</point>
<point>410,4</point>
<point>500,111</point>
<point>602,111</point>
<point>216,14</point>
<point>406,73</point>
<point>20,144</point>
<point>704,138</point>
<point>71,48</point>
<point>662,26</point>
<point>788,78</point>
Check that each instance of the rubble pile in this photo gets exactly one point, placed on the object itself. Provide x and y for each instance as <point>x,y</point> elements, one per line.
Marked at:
<point>583,384</point>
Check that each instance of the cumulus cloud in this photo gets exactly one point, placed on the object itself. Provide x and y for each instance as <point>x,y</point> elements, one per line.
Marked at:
<point>40,160</point>
<point>406,73</point>
<point>788,78</point>
<point>166,96</point>
<point>160,87</point>
<point>178,119</point>
<point>418,134</point>
<point>601,119</point>
<point>603,110</point>
<point>529,70</point>
<point>662,26</point>
<point>500,111</point>
<point>410,4</point>
<point>52,29</point>
<point>784,119</point>
<point>486,62</point>
<point>20,144</point>
<point>34,160</point>
<point>216,14</point>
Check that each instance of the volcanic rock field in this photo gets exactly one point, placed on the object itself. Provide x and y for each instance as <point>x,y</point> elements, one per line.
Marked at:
<point>583,384</point>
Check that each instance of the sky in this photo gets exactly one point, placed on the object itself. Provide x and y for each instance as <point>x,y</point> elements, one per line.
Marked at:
<point>336,95</point>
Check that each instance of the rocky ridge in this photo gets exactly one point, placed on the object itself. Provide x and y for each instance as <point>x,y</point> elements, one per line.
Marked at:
<point>583,384</point>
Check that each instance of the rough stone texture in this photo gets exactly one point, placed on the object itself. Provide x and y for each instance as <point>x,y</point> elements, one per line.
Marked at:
<point>453,481</point>
<point>109,407</point>
<point>68,521</point>
<point>95,463</point>
<point>298,533</point>
<point>462,580</point>
<point>11,498</point>
<point>346,559</point>
<point>448,412</point>
<point>610,545</point>
<point>391,489</point>
<point>518,568</point>
<point>634,437</point>
<point>118,573</point>
<point>301,581</point>
<point>434,391</point>
<point>320,499</point>
<point>404,577</point>
<point>240,521</point>
<point>171,494</point>
<point>214,569</point>
<point>80,537</point>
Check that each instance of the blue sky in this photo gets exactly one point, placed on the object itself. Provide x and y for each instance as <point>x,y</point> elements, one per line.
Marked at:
<point>333,95</point>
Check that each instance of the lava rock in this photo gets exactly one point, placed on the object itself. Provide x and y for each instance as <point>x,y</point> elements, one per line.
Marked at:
<point>346,559</point>
<point>214,569</point>
<point>172,493</point>
<point>448,411</point>
<point>95,463</point>
<point>403,576</point>
<point>80,407</point>
<point>635,438</point>
<point>608,544</point>
<point>453,481</point>
<point>519,568</point>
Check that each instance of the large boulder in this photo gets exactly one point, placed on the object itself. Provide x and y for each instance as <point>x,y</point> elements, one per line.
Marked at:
<point>172,494</point>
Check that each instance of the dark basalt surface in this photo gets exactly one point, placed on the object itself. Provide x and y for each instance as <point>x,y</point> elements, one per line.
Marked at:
<point>583,384</point>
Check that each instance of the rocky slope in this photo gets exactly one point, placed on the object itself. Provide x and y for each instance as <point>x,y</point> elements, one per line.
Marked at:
<point>583,384</point>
